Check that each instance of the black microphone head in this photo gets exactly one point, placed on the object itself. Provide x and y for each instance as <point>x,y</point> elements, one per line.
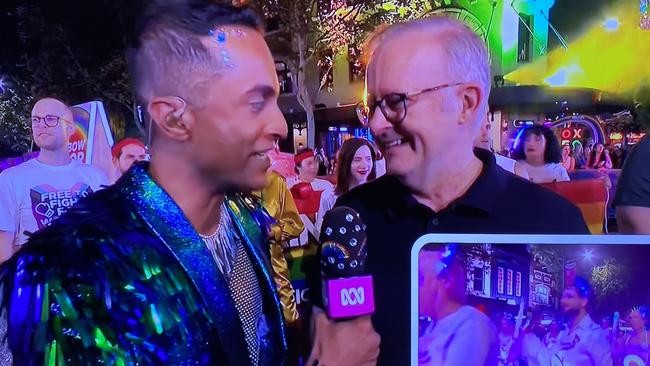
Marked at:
<point>343,243</point>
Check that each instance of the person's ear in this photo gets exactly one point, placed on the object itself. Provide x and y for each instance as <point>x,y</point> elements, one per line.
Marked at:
<point>472,97</point>
<point>69,128</point>
<point>171,117</point>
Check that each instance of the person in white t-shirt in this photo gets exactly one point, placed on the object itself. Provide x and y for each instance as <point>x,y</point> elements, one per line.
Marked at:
<point>36,192</point>
<point>484,141</point>
<point>307,170</point>
<point>539,153</point>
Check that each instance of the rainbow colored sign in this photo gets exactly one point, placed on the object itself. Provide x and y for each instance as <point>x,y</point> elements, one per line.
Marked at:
<point>78,142</point>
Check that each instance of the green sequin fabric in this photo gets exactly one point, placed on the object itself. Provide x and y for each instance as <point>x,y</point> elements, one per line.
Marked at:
<point>110,283</point>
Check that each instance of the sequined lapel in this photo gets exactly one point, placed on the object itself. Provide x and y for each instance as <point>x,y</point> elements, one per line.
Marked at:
<point>170,225</point>
<point>249,218</point>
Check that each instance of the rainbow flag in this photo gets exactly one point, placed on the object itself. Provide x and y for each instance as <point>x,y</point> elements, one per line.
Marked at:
<point>590,195</point>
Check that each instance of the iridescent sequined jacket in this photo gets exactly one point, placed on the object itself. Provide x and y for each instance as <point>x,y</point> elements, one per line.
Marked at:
<point>123,279</point>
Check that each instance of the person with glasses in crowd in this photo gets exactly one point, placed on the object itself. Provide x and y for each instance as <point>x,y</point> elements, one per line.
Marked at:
<point>427,86</point>
<point>38,191</point>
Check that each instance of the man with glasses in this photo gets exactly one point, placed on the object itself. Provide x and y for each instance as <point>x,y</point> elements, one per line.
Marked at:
<point>428,83</point>
<point>170,265</point>
<point>35,193</point>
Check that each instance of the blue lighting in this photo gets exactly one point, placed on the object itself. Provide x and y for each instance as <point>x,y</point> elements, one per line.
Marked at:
<point>520,133</point>
<point>611,24</point>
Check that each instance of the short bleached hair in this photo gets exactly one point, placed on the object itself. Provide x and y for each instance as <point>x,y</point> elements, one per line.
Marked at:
<point>167,53</point>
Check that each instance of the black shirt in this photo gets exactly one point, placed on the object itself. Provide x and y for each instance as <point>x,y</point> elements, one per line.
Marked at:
<point>633,188</point>
<point>497,203</point>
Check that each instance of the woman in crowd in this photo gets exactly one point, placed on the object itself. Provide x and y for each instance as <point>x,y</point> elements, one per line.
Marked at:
<point>618,157</point>
<point>599,158</point>
<point>587,154</point>
<point>579,157</point>
<point>635,344</point>
<point>568,161</point>
<point>539,153</point>
<point>355,166</point>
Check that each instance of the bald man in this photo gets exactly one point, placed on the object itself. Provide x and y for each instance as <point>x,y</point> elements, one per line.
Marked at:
<point>35,193</point>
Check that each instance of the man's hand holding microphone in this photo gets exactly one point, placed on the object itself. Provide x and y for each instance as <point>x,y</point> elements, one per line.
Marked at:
<point>343,334</point>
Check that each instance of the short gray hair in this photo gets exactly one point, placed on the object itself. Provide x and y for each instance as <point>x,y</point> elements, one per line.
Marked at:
<point>467,53</point>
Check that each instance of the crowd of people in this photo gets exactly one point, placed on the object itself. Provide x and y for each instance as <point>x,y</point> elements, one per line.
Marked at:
<point>551,339</point>
<point>196,253</point>
<point>449,327</point>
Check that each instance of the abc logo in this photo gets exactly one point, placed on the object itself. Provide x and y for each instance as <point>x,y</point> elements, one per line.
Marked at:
<point>352,296</point>
<point>302,296</point>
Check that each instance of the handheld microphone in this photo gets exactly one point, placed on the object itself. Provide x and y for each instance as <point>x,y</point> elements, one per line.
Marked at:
<point>347,290</point>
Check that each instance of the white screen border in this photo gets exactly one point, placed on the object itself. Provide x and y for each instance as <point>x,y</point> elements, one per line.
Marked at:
<point>499,239</point>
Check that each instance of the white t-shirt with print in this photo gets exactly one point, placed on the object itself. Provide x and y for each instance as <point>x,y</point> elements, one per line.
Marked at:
<point>547,173</point>
<point>34,194</point>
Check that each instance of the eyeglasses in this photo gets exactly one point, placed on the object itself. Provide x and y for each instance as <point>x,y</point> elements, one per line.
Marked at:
<point>49,120</point>
<point>392,105</point>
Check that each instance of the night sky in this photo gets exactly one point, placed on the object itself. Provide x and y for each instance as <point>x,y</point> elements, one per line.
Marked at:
<point>102,25</point>
<point>572,17</point>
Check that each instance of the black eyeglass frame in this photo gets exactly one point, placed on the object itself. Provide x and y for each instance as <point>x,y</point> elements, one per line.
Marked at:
<point>366,112</point>
<point>36,120</point>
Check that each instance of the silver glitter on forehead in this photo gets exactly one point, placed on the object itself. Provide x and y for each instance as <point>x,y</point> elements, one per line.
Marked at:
<point>221,37</point>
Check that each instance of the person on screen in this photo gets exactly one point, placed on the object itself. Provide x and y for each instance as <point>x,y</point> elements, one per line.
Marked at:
<point>428,82</point>
<point>583,342</point>
<point>636,346</point>
<point>38,191</point>
<point>454,327</point>
<point>632,199</point>
<point>508,341</point>
<point>540,154</point>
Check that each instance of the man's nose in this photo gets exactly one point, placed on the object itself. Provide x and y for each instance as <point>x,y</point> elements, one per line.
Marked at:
<point>378,123</point>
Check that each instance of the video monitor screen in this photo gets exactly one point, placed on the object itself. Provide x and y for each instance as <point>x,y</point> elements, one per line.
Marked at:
<point>530,300</point>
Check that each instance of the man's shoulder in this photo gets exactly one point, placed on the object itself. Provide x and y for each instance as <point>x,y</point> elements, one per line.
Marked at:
<point>474,317</point>
<point>323,184</point>
<point>70,238</point>
<point>18,171</point>
<point>524,192</point>
<point>88,169</point>
<point>637,158</point>
<point>371,194</point>
<point>100,212</point>
<point>643,145</point>
<point>521,199</point>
